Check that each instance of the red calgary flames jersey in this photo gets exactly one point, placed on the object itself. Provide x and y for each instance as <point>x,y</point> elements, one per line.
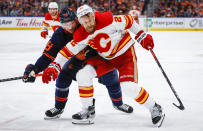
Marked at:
<point>50,22</point>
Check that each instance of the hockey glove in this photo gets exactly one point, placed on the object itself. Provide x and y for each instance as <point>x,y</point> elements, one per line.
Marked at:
<point>81,55</point>
<point>145,40</point>
<point>86,53</point>
<point>51,72</point>
<point>29,74</point>
<point>44,33</point>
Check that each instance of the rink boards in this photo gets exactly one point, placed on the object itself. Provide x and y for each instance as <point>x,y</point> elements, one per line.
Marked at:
<point>150,23</point>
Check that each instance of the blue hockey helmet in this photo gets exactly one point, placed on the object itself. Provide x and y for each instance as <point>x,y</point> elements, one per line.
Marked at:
<point>67,15</point>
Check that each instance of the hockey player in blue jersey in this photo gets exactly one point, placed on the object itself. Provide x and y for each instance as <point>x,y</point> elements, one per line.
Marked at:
<point>60,38</point>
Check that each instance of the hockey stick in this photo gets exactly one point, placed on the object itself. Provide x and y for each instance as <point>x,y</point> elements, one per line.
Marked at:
<point>181,107</point>
<point>16,78</point>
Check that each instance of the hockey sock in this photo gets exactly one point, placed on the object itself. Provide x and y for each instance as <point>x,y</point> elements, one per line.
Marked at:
<point>61,98</point>
<point>115,94</point>
<point>86,95</point>
<point>62,90</point>
<point>110,80</point>
<point>144,99</point>
<point>139,94</point>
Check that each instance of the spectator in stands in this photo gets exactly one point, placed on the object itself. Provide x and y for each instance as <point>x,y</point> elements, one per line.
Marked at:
<point>13,12</point>
<point>165,8</point>
<point>178,8</point>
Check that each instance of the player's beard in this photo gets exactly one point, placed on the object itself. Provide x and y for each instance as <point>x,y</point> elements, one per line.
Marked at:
<point>90,29</point>
<point>54,14</point>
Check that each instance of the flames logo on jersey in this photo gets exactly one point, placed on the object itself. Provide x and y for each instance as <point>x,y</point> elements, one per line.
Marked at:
<point>96,42</point>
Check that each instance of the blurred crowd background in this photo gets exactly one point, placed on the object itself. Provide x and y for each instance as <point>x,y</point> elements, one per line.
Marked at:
<point>156,8</point>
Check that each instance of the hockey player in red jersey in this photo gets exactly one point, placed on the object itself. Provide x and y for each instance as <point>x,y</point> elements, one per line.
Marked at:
<point>109,35</point>
<point>51,19</point>
<point>135,13</point>
<point>65,75</point>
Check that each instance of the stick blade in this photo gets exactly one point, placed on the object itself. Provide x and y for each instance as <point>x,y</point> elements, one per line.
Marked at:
<point>181,107</point>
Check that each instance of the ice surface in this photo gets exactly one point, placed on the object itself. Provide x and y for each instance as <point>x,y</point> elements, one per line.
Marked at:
<point>22,106</point>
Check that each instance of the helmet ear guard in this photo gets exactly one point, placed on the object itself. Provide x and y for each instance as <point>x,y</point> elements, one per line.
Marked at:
<point>67,15</point>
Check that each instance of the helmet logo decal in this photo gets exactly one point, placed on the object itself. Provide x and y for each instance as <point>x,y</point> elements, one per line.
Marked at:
<point>66,15</point>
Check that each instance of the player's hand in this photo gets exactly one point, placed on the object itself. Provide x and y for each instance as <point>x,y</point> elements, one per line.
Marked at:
<point>44,33</point>
<point>29,74</point>
<point>81,55</point>
<point>51,72</point>
<point>145,40</point>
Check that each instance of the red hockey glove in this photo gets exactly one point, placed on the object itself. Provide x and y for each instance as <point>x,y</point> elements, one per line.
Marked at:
<point>44,33</point>
<point>145,40</point>
<point>51,72</point>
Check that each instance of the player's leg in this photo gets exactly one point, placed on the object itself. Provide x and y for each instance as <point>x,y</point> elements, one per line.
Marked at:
<point>128,76</point>
<point>84,78</point>
<point>109,77</point>
<point>64,80</point>
<point>110,80</point>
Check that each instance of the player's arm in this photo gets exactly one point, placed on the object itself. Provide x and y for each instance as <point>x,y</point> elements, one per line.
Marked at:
<point>49,54</point>
<point>41,64</point>
<point>54,68</point>
<point>76,47</point>
<point>124,22</point>
<point>45,28</point>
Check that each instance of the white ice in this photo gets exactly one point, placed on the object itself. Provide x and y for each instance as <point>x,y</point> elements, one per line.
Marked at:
<point>22,106</point>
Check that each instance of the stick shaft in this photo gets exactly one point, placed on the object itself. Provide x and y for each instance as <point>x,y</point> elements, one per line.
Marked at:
<point>165,76</point>
<point>16,78</point>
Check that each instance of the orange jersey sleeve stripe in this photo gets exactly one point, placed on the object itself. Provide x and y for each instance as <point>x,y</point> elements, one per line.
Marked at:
<point>126,38</point>
<point>49,56</point>
<point>129,21</point>
<point>142,97</point>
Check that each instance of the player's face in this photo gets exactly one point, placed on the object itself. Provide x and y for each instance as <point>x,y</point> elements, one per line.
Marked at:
<point>53,11</point>
<point>69,26</point>
<point>88,22</point>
